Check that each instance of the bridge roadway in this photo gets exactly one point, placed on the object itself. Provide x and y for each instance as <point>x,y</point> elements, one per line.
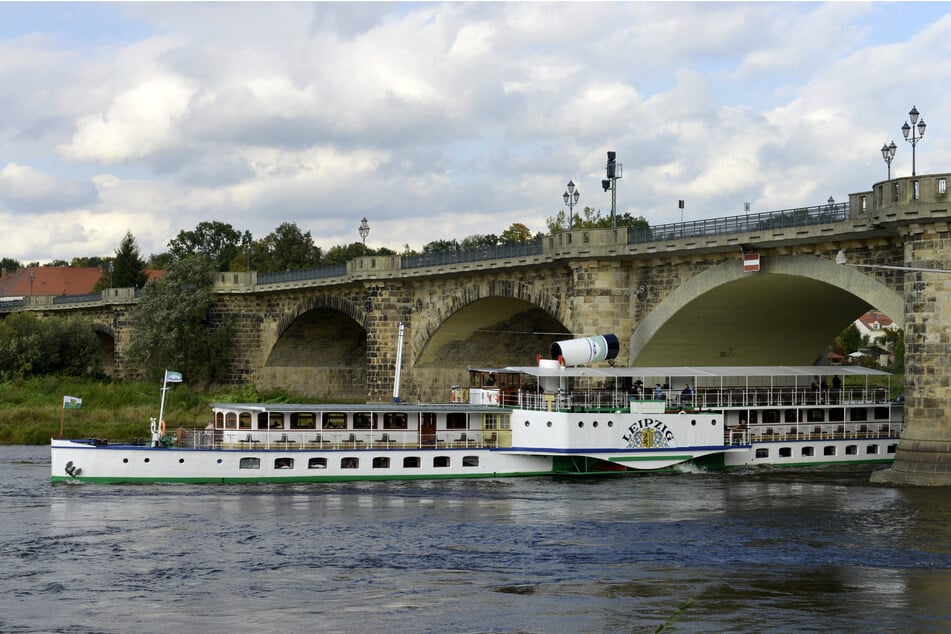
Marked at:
<point>675,295</point>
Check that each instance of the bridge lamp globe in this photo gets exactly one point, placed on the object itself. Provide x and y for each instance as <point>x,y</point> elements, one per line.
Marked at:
<point>364,231</point>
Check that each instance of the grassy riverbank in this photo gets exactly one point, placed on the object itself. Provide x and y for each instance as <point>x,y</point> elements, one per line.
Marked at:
<point>30,409</point>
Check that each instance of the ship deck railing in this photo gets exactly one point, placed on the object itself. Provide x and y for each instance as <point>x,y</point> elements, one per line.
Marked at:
<point>704,399</point>
<point>340,439</point>
<point>765,432</point>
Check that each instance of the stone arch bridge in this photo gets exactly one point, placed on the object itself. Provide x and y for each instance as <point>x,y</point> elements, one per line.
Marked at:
<point>746,290</point>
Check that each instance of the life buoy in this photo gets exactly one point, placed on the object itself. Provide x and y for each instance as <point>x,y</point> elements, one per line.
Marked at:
<point>162,427</point>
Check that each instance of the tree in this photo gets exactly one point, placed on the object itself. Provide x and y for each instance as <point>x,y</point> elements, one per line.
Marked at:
<point>894,341</point>
<point>286,248</point>
<point>850,339</point>
<point>340,254</point>
<point>160,261</point>
<point>128,268</point>
<point>174,327</point>
<point>10,265</point>
<point>217,241</point>
<point>30,346</point>
<point>517,233</point>
<point>440,246</point>
<point>479,241</point>
<point>88,262</point>
<point>590,218</point>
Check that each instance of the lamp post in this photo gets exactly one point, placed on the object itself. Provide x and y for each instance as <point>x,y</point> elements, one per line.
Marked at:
<point>571,197</point>
<point>888,153</point>
<point>831,202</point>
<point>364,232</point>
<point>112,267</point>
<point>31,283</point>
<point>906,129</point>
<point>613,172</point>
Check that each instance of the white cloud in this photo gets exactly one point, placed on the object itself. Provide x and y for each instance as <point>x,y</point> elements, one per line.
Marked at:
<point>25,188</point>
<point>438,121</point>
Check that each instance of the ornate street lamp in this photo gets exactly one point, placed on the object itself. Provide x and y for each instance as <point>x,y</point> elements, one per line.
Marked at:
<point>905,129</point>
<point>888,153</point>
<point>364,232</point>
<point>571,197</point>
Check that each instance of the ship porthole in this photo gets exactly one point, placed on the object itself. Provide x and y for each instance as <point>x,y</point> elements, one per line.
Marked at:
<point>125,460</point>
<point>181,461</point>
<point>694,422</point>
<point>549,423</point>
<point>219,460</point>
<point>580,424</point>
<point>713,422</point>
<point>528,424</point>
<point>594,424</point>
<point>146,459</point>
<point>610,423</point>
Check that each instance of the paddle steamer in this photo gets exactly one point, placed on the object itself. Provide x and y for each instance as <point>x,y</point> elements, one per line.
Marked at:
<point>562,416</point>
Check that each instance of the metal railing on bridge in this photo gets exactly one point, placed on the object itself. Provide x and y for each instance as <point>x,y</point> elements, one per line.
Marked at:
<point>472,255</point>
<point>747,223</point>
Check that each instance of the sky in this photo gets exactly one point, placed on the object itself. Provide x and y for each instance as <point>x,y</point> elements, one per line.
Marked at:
<point>438,121</point>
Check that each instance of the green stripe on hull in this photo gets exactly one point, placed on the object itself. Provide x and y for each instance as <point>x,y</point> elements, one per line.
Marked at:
<point>292,479</point>
<point>649,458</point>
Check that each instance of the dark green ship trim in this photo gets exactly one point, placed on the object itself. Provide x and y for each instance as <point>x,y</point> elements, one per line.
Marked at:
<point>293,479</point>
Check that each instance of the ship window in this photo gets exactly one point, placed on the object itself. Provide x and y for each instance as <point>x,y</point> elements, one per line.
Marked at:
<point>785,452</point>
<point>548,423</point>
<point>881,413</point>
<point>815,416</point>
<point>394,420</point>
<point>283,463</point>
<point>610,423</point>
<point>317,463</point>
<point>837,414</point>
<point>334,420</point>
<point>244,422</point>
<point>303,420</point>
<point>250,463</point>
<point>220,420</point>
<point>771,416</point>
<point>470,461</point>
<point>859,413</point>
<point>411,462</point>
<point>262,419</point>
<point>363,420</point>
<point>441,461</point>
<point>456,420</point>
<point>891,448</point>
<point>580,424</point>
<point>851,450</point>
<point>829,450</point>
<point>790,416</point>
<point>349,463</point>
<point>871,449</point>
<point>762,453</point>
<point>381,462</point>
<point>231,420</point>
<point>808,451</point>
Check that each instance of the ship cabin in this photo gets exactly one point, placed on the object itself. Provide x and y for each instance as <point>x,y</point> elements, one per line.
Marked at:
<point>367,426</point>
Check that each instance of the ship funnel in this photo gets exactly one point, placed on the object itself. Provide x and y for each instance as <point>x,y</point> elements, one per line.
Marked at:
<point>585,350</point>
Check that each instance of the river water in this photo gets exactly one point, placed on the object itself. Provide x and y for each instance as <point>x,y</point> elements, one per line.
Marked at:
<point>754,551</point>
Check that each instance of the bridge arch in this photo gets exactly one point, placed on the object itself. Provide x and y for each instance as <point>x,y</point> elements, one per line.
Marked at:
<point>787,313</point>
<point>319,347</point>
<point>490,324</point>
<point>106,335</point>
